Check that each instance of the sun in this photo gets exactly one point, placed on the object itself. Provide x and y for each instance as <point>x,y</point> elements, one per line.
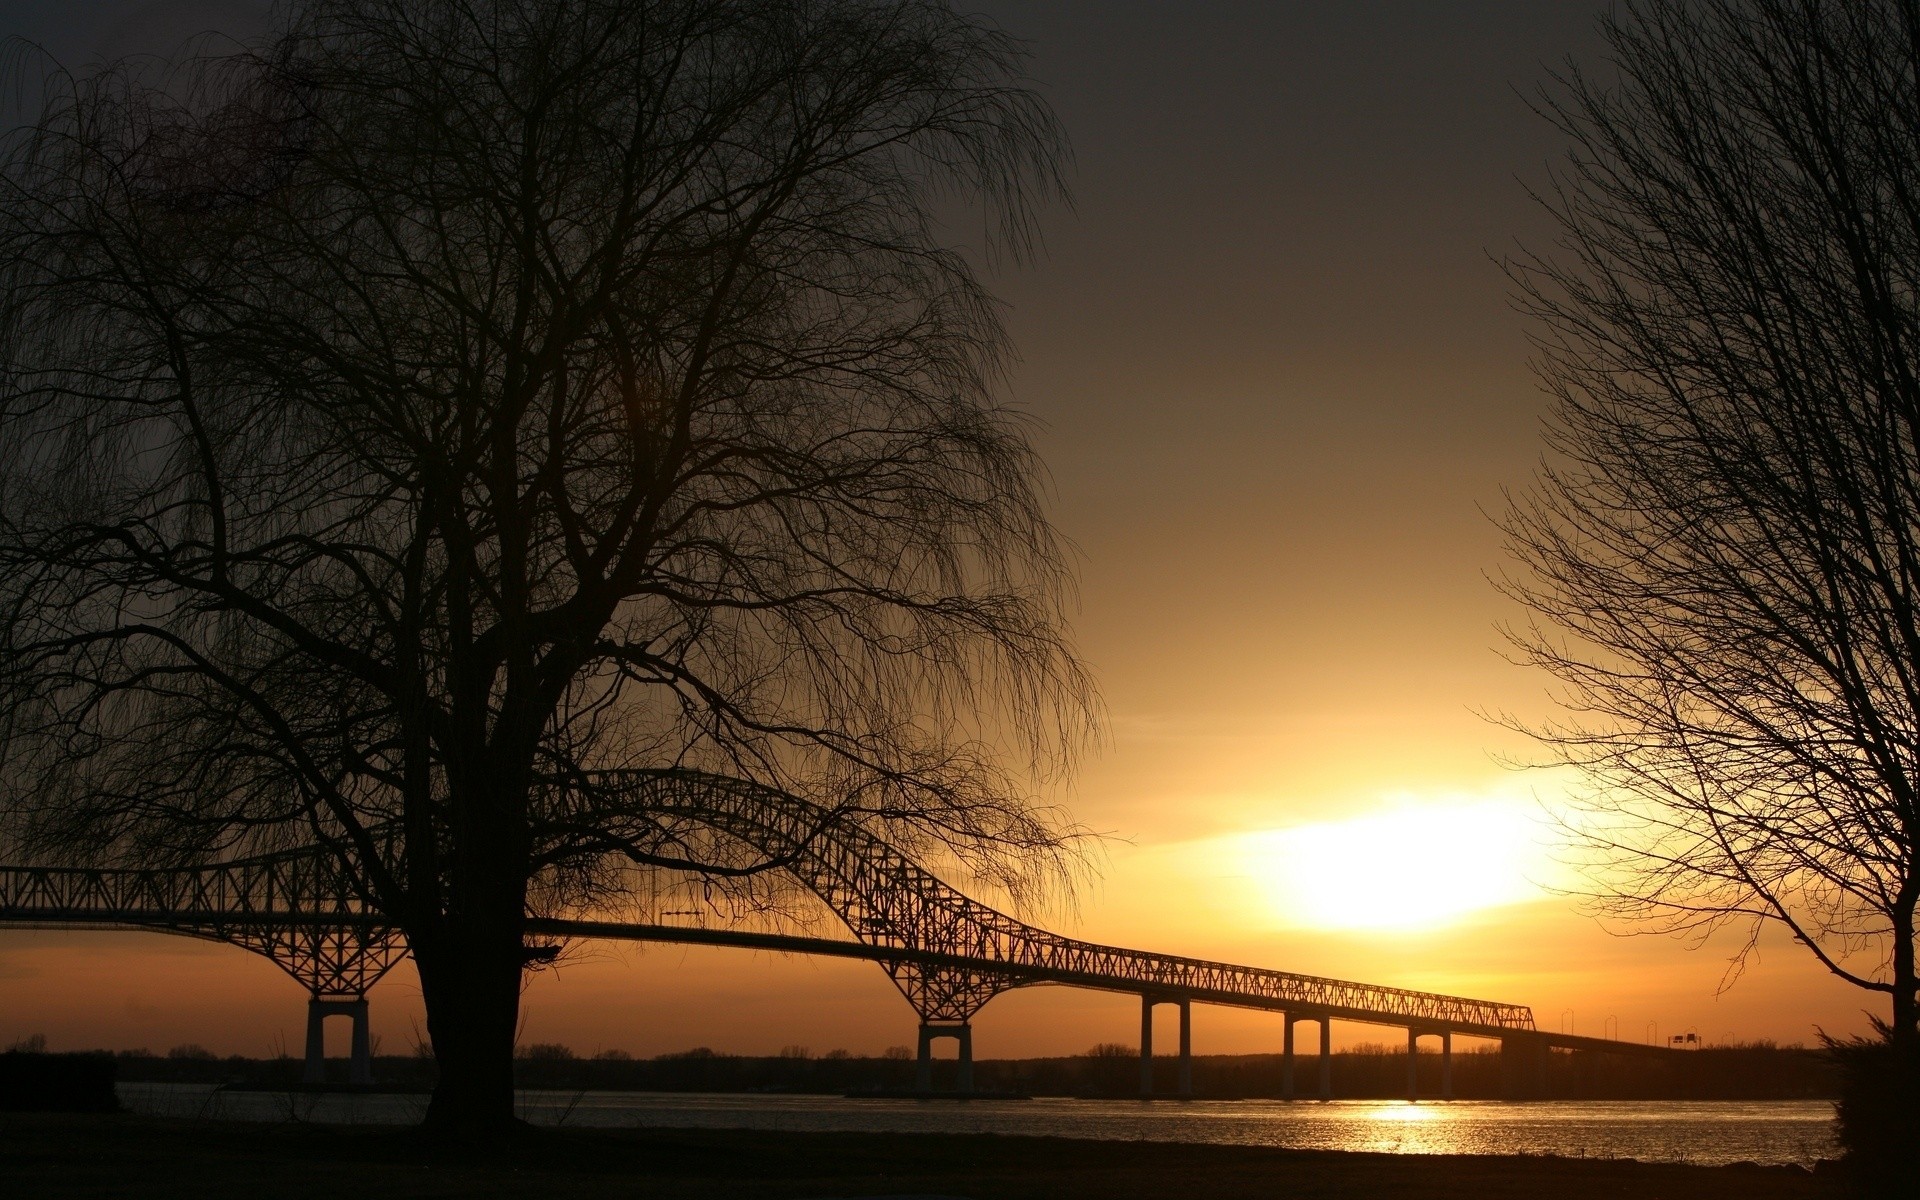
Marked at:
<point>1414,864</point>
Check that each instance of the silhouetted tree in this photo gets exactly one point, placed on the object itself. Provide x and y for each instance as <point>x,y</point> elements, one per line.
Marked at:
<point>1724,542</point>
<point>411,425</point>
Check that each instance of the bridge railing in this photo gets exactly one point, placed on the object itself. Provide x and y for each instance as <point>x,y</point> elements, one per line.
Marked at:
<point>270,888</point>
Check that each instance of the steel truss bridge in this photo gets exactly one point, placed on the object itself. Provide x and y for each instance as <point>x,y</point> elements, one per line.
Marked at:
<point>947,953</point>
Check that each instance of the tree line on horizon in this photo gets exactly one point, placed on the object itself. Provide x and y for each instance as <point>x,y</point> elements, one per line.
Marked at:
<point>1740,1071</point>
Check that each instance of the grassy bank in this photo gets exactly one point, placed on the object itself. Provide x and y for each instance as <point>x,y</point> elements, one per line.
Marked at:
<point>66,1156</point>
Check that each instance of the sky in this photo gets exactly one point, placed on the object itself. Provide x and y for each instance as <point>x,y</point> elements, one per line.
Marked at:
<point>1281,391</point>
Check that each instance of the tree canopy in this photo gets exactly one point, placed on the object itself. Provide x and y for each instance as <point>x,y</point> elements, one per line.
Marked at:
<point>411,423</point>
<point>1723,548</point>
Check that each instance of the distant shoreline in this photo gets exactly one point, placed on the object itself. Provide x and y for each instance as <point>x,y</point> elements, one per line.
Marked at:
<point>1755,1072</point>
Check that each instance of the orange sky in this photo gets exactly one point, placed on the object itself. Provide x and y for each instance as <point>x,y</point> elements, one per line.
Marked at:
<point>1281,385</point>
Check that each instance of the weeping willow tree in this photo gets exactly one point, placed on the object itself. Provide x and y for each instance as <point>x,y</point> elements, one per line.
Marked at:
<point>1723,550</point>
<point>416,423</point>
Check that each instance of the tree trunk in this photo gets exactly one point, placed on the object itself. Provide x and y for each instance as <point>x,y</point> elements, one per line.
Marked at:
<point>1905,1031</point>
<point>471,952</point>
<point>1905,1035</point>
<point>471,986</point>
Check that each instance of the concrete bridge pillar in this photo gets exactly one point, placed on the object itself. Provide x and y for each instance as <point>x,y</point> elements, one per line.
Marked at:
<point>923,1068</point>
<point>1185,1083</point>
<point>1413,1063</point>
<point>964,1077</point>
<point>1523,1065</point>
<point>962,1033</point>
<point>1146,1045</point>
<point>1286,1059</point>
<point>1326,1056</point>
<point>1326,1059</point>
<point>1184,1074</point>
<point>360,1062</point>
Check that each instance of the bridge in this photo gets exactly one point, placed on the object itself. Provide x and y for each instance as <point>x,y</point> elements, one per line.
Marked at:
<point>947,953</point>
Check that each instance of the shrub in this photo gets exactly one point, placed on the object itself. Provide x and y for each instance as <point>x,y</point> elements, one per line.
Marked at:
<point>547,1052</point>
<point>31,1081</point>
<point>1878,1114</point>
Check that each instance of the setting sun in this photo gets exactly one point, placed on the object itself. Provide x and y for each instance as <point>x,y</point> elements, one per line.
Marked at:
<point>1414,865</point>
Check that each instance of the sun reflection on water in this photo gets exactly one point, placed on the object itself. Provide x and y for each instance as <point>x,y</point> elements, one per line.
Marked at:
<point>1406,1113</point>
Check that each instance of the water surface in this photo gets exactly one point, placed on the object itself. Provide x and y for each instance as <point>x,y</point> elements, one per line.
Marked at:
<point>1711,1132</point>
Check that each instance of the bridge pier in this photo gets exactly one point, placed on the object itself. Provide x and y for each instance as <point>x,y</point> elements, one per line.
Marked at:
<point>1413,1063</point>
<point>1146,1045</point>
<point>961,1032</point>
<point>1184,1077</point>
<point>1326,1056</point>
<point>1184,1081</point>
<point>1286,1058</point>
<point>1523,1066</point>
<point>360,1064</point>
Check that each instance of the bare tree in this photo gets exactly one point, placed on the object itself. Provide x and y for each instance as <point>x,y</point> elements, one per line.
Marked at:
<point>413,426</point>
<point>1724,544</point>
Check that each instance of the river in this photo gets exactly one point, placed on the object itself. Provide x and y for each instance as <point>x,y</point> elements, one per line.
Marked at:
<point>1773,1132</point>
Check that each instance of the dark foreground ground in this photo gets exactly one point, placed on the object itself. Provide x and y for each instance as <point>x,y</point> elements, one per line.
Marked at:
<point>63,1156</point>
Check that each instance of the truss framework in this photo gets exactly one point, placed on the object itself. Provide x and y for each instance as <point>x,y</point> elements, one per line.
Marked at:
<point>947,953</point>
<point>297,909</point>
<point>890,902</point>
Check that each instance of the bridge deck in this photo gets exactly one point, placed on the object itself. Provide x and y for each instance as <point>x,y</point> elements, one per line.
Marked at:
<point>1172,988</point>
<point>20,911</point>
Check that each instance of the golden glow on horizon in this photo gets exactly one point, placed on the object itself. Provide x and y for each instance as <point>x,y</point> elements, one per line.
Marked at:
<point>1415,865</point>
